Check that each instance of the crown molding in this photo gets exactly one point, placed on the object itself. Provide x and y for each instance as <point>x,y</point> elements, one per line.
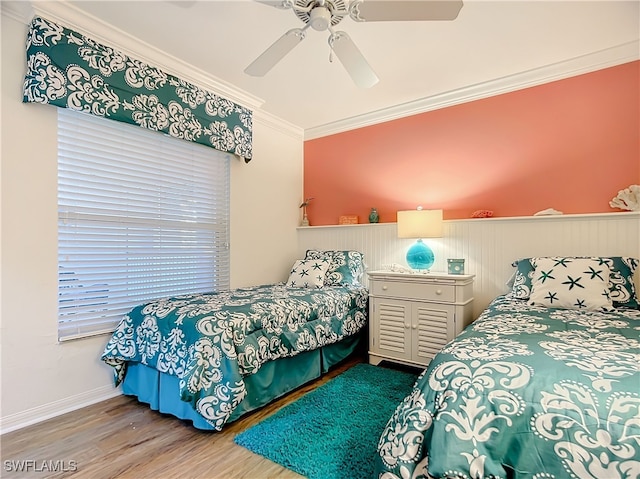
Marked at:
<point>599,60</point>
<point>277,123</point>
<point>19,11</point>
<point>91,26</point>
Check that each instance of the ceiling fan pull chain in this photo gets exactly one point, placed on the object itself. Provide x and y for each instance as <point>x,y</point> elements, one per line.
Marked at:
<point>332,33</point>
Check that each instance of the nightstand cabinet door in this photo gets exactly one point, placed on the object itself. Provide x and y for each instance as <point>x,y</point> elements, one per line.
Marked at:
<point>434,327</point>
<point>412,316</point>
<point>392,328</point>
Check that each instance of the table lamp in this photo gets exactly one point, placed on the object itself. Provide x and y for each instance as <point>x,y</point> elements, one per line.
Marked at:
<point>420,224</point>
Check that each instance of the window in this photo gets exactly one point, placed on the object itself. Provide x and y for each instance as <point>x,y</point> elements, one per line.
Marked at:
<point>140,216</point>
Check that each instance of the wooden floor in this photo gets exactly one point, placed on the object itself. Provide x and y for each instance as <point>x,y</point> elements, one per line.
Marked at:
<point>121,438</point>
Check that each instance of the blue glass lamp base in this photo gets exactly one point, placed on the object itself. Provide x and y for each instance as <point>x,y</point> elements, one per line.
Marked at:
<point>420,256</point>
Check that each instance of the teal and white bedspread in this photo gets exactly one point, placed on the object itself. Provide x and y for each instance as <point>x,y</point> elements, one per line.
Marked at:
<point>211,341</point>
<point>524,392</point>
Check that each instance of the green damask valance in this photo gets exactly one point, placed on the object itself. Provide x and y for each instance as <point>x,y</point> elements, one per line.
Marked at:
<point>70,70</point>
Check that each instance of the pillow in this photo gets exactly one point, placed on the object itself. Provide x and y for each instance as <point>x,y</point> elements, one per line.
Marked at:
<point>345,267</point>
<point>621,285</point>
<point>571,283</point>
<point>521,287</point>
<point>308,273</point>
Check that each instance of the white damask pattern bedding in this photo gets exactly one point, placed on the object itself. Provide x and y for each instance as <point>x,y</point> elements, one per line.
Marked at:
<point>211,341</point>
<point>524,392</point>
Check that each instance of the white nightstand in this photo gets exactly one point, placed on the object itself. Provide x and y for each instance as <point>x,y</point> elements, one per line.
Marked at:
<point>412,316</point>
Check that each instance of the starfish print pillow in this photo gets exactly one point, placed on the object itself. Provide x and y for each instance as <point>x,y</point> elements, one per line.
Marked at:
<point>308,273</point>
<point>570,283</point>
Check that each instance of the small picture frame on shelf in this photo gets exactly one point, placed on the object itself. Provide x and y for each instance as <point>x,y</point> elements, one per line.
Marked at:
<point>348,220</point>
<point>455,266</point>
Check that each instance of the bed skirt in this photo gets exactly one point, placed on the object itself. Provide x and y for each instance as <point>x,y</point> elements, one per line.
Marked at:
<point>273,379</point>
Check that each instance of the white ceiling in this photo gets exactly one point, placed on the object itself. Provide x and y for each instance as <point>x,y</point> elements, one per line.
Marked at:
<point>489,43</point>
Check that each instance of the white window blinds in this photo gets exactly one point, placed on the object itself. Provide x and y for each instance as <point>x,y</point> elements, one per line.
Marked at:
<point>140,216</point>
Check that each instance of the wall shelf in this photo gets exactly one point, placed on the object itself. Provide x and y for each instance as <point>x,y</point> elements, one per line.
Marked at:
<point>581,216</point>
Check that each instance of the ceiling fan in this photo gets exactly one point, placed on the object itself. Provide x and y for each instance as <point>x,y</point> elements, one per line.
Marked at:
<point>322,15</point>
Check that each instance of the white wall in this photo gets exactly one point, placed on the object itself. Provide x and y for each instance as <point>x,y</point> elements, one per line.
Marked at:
<point>265,195</point>
<point>489,246</point>
<point>41,377</point>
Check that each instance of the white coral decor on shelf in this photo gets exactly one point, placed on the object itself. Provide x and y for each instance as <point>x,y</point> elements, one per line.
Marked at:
<point>627,199</point>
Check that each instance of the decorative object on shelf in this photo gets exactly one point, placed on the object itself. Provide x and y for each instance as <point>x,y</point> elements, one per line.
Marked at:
<point>373,216</point>
<point>348,220</point>
<point>398,268</point>
<point>548,212</point>
<point>455,266</point>
<point>627,199</point>
<point>420,224</point>
<point>305,220</point>
<point>482,214</point>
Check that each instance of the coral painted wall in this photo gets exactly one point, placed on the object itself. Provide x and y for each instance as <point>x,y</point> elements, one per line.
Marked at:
<point>570,145</point>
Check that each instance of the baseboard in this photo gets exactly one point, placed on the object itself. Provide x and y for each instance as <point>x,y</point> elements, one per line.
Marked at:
<point>38,414</point>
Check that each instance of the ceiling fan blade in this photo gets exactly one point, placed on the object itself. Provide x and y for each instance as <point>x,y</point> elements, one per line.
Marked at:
<point>404,10</point>
<point>276,52</point>
<point>352,60</point>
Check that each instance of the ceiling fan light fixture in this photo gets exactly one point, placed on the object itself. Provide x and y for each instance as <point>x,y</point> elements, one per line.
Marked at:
<point>320,18</point>
<point>322,15</point>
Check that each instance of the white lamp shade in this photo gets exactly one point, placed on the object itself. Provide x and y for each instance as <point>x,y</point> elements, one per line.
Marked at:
<point>420,224</point>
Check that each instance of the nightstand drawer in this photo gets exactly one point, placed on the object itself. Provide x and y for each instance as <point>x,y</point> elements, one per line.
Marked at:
<point>428,292</point>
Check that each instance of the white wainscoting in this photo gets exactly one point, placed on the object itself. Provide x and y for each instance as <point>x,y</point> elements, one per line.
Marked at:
<point>489,245</point>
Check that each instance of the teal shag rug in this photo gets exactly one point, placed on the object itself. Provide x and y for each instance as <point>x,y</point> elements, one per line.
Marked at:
<point>333,431</point>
